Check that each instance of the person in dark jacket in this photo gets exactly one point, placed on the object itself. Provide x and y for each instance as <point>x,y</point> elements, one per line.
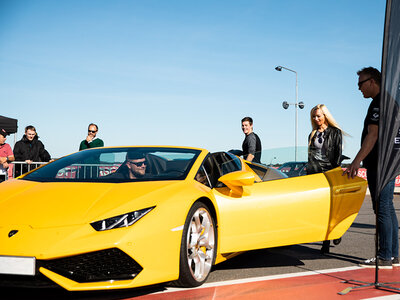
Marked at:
<point>29,149</point>
<point>324,146</point>
<point>324,141</point>
<point>252,144</point>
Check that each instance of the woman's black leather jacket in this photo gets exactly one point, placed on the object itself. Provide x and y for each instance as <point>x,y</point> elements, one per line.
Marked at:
<point>332,147</point>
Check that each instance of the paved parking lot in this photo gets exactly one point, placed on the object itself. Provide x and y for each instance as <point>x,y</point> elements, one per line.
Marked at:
<point>357,244</point>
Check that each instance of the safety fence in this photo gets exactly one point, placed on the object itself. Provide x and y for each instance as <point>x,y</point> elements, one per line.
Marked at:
<point>17,168</point>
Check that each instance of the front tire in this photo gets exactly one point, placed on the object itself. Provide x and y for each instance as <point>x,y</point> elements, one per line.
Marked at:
<point>198,246</point>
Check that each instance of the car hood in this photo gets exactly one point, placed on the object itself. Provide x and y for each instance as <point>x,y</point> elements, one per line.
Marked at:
<point>43,205</point>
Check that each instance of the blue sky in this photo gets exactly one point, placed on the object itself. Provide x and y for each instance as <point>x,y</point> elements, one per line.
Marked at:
<point>184,72</point>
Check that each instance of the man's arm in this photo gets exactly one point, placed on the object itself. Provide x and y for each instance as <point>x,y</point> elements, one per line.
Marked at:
<point>251,147</point>
<point>366,147</point>
<point>250,157</point>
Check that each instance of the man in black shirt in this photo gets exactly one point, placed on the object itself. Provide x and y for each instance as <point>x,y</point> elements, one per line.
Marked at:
<point>369,83</point>
<point>251,145</point>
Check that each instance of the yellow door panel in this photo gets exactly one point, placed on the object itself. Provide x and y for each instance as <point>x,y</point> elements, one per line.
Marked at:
<point>347,197</point>
<point>274,213</point>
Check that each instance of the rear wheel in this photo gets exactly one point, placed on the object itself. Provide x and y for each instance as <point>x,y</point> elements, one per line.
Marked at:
<point>198,246</point>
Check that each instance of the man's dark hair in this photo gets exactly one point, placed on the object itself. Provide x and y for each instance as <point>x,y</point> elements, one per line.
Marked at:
<point>250,120</point>
<point>135,154</point>
<point>92,124</point>
<point>30,127</point>
<point>372,73</point>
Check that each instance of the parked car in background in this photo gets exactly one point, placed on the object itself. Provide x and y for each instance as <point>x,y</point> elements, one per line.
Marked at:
<point>294,168</point>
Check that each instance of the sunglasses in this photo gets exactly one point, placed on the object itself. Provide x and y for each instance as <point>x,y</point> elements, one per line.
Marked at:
<point>361,82</point>
<point>138,164</point>
<point>92,131</point>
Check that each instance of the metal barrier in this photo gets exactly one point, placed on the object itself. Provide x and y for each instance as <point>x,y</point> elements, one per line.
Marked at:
<point>18,168</point>
<point>86,171</point>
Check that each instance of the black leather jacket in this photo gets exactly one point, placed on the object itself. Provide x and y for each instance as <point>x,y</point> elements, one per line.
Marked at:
<point>332,147</point>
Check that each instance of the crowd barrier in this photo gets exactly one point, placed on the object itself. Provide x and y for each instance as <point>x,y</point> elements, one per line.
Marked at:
<point>70,172</point>
<point>17,168</point>
<point>89,170</point>
<point>363,174</point>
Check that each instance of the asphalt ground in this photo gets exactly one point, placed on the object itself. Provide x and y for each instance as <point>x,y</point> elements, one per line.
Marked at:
<point>357,244</point>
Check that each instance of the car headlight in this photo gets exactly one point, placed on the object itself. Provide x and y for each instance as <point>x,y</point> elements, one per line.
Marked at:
<point>120,221</point>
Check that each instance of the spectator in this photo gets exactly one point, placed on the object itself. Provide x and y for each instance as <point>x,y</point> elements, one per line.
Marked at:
<point>324,146</point>
<point>324,142</point>
<point>91,140</point>
<point>251,145</point>
<point>6,155</point>
<point>369,83</point>
<point>29,149</point>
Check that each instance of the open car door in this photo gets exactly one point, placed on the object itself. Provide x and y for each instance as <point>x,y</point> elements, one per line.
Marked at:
<point>259,214</point>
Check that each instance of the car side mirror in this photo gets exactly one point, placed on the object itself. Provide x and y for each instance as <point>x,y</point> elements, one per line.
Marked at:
<point>237,180</point>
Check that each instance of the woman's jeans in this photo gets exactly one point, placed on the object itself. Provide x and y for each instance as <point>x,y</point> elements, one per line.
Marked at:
<point>388,226</point>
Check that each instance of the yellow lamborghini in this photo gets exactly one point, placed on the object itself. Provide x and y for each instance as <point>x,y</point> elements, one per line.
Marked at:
<point>124,217</point>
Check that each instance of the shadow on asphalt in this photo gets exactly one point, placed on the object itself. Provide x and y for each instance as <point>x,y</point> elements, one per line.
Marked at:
<point>281,257</point>
<point>363,225</point>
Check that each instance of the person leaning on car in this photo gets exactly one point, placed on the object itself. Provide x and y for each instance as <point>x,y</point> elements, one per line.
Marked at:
<point>252,144</point>
<point>369,83</point>
<point>324,146</point>
<point>29,149</point>
<point>6,155</point>
<point>91,140</point>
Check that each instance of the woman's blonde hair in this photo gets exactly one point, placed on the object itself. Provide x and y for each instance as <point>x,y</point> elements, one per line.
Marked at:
<point>328,118</point>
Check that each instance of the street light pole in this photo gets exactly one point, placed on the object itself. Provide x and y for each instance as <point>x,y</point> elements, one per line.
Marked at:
<point>297,104</point>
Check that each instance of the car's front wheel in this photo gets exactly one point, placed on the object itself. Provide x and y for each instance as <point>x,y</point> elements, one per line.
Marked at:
<point>198,246</point>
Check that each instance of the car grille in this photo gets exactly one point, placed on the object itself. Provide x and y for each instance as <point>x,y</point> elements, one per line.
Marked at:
<point>103,265</point>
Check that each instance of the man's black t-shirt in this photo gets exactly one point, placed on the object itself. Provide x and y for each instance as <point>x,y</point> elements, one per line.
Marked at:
<point>252,145</point>
<point>372,118</point>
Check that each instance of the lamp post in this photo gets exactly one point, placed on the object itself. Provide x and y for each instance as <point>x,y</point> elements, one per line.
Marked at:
<point>285,105</point>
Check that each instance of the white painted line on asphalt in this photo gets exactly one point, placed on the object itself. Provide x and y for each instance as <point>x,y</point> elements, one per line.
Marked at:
<point>262,278</point>
<point>390,297</point>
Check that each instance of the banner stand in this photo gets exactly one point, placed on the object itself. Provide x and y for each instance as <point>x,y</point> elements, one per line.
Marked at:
<point>389,132</point>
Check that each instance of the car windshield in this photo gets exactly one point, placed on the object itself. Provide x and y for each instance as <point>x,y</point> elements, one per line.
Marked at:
<point>119,165</point>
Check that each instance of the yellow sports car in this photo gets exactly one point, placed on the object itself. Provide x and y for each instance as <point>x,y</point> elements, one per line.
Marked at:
<point>125,217</point>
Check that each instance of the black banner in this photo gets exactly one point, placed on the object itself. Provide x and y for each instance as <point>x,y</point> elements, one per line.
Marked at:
<point>389,122</point>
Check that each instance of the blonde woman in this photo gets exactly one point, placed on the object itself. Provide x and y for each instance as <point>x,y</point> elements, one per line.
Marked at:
<point>324,141</point>
<point>324,147</point>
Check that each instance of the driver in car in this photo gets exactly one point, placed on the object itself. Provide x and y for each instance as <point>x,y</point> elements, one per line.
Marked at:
<point>136,164</point>
<point>134,167</point>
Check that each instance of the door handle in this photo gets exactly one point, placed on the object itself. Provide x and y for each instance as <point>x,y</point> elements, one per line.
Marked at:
<point>350,189</point>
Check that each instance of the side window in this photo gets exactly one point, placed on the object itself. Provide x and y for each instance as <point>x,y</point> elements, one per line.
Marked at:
<point>216,165</point>
<point>202,177</point>
<point>267,174</point>
<point>261,172</point>
<point>228,163</point>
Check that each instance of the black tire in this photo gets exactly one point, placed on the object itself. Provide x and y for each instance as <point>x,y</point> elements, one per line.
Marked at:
<point>337,241</point>
<point>198,246</point>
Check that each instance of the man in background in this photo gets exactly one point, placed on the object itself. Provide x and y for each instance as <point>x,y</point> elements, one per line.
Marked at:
<point>29,149</point>
<point>6,155</point>
<point>252,144</point>
<point>91,140</point>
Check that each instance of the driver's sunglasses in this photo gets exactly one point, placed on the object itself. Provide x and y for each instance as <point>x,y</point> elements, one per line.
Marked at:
<point>361,82</point>
<point>138,164</point>
<point>92,131</point>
